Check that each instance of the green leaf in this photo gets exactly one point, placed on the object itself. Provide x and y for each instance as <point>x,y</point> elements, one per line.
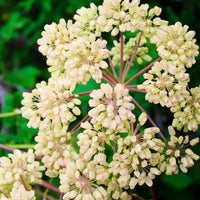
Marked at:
<point>25,77</point>
<point>179,181</point>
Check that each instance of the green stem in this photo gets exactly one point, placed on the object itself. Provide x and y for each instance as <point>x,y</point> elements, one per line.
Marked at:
<point>20,146</point>
<point>10,114</point>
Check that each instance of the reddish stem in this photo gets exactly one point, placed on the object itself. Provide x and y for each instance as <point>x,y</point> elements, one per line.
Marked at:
<point>111,64</point>
<point>78,126</point>
<point>137,90</point>
<point>154,192</point>
<point>131,86</point>
<point>122,54</point>
<point>143,70</point>
<point>108,79</point>
<point>132,57</point>
<point>12,150</point>
<point>84,93</point>
<point>149,118</point>
<point>61,196</point>
<point>50,186</point>
<point>44,195</point>
<point>109,73</point>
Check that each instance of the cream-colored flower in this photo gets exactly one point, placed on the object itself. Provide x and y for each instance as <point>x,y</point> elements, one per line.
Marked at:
<point>77,182</point>
<point>86,19</point>
<point>20,167</point>
<point>166,84</point>
<point>176,44</point>
<point>52,102</point>
<point>112,107</point>
<point>187,112</point>
<point>51,147</point>
<point>177,156</point>
<point>114,15</point>
<point>20,193</point>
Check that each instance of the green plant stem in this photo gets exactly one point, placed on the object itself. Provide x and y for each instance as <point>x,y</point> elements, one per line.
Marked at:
<point>143,70</point>
<point>20,146</point>
<point>10,114</point>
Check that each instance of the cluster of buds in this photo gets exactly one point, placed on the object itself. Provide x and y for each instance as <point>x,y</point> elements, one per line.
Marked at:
<point>112,149</point>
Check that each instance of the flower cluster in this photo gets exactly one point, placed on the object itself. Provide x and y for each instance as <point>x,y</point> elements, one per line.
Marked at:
<point>20,170</point>
<point>112,149</point>
<point>50,103</point>
<point>112,107</point>
<point>177,155</point>
<point>176,44</point>
<point>187,112</point>
<point>166,84</point>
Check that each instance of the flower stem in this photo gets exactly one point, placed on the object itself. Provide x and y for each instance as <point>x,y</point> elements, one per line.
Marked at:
<point>132,57</point>
<point>84,93</point>
<point>78,126</point>
<point>122,54</point>
<point>111,64</point>
<point>137,90</point>
<point>143,70</point>
<point>23,183</point>
<point>12,150</point>
<point>149,118</point>
<point>10,114</point>
<point>110,74</point>
<point>20,146</point>
<point>44,195</point>
<point>61,196</point>
<point>108,79</point>
<point>50,186</point>
<point>154,192</point>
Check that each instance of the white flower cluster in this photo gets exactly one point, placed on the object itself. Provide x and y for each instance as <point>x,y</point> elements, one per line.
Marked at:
<point>129,47</point>
<point>53,147</point>
<point>176,44</point>
<point>112,107</point>
<point>166,84</point>
<point>111,150</point>
<point>77,182</point>
<point>136,158</point>
<point>50,103</point>
<point>177,156</point>
<point>187,112</point>
<point>86,19</point>
<point>20,170</point>
<point>73,56</point>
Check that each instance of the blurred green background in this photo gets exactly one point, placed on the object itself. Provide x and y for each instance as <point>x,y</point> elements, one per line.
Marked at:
<point>22,66</point>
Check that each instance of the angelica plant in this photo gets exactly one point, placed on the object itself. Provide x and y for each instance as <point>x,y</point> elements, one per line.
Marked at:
<point>117,148</point>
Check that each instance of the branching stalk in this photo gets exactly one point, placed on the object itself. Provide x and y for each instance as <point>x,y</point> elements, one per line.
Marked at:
<point>122,55</point>
<point>149,118</point>
<point>143,70</point>
<point>132,57</point>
